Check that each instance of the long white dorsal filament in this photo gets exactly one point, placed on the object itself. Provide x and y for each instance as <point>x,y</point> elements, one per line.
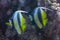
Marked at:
<point>21,11</point>
<point>46,8</point>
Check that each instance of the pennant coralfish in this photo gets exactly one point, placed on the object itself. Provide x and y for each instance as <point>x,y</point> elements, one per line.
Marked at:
<point>18,21</point>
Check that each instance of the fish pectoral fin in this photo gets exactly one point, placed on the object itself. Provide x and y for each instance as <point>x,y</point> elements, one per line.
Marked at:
<point>8,23</point>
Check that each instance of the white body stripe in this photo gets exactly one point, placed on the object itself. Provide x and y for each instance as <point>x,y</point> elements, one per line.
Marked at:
<point>36,19</point>
<point>16,25</point>
<point>15,20</point>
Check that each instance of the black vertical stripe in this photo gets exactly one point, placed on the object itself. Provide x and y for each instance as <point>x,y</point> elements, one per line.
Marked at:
<point>13,27</point>
<point>40,16</point>
<point>12,24</point>
<point>19,23</point>
<point>18,19</point>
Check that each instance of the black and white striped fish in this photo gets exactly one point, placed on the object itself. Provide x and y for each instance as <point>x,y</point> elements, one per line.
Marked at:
<point>18,21</point>
<point>40,17</point>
